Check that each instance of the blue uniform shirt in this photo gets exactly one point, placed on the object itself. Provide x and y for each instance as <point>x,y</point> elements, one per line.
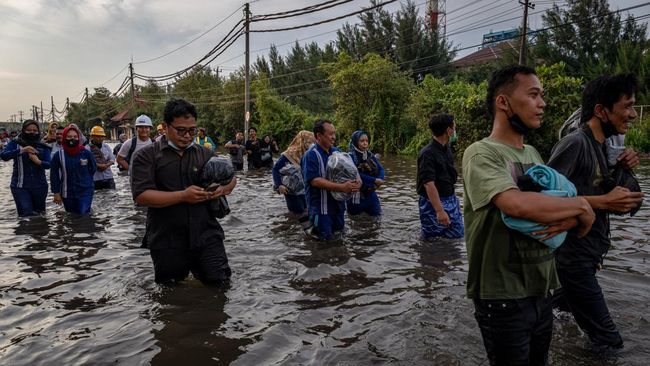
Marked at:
<point>319,201</point>
<point>26,174</point>
<point>72,176</point>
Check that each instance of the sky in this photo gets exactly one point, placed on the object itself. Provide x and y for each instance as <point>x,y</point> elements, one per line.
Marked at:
<point>56,48</point>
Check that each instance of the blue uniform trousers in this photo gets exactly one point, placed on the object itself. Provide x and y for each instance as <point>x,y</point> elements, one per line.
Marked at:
<point>29,200</point>
<point>431,228</point>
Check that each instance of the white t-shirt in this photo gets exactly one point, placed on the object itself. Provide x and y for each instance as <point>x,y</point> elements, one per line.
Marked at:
<point>126,146</point>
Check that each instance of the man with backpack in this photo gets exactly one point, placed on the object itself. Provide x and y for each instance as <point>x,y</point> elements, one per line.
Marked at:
<point>143,127</point>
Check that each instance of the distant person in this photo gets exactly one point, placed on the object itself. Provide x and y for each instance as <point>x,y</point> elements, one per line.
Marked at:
<point>326,214</point>
<point>160,132</point>
<point>205,140</point>
<point>50,136</point>
<point>440,214</point>
<point>268,147</point>
<point>182,234</point>
<point>607,111</point>
<point>103,178</point>
<point>72,173</point>
<point>58,140</point>
<point>511,275</point>
<point>121,138</point>
<point>253,150</point>
<point>30,159</point>
<point>143,127</point>
<point>371,173</point>
<point>287,169</point>
<point>237,149</point>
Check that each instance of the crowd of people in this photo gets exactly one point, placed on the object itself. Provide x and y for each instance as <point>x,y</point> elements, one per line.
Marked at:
<point>515,275</point>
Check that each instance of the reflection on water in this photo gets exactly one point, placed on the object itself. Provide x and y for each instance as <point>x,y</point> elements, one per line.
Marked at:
<point>79,290</point>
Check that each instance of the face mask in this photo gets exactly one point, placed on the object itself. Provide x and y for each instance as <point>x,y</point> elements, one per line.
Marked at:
<point>453,138</point>
<point>72,143</point>
<point>98,144</point>
<point>517,124</point>
<point>31,136</point>
<point>173,145</point>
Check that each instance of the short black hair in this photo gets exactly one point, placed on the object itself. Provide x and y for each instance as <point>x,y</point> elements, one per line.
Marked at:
<point>440,122</point>
<point>178,107</point>
<point>319,126</point>
<point>606,90</point>
<point>60,128</point>
<point>252,128</point>
<point>504,78</point>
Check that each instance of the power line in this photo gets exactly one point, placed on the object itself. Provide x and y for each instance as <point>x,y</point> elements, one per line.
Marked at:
<point>295,13</point>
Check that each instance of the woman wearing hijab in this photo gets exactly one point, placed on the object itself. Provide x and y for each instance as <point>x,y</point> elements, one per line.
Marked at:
<point>50,137</point>
<point>268,147</point>
<point>72,173</point>
<point>287,169</point>
<point>372,176</point>
<point>31,158</point>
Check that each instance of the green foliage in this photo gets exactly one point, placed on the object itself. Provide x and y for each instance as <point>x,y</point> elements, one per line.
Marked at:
<point>278,117</point>
<point>638,136</point>
<point>372,95</point>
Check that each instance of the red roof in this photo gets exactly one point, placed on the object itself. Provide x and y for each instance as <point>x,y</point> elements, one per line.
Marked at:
<point>487,54</point>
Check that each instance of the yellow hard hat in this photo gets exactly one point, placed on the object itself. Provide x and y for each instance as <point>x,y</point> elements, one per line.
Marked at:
<point>97,131</point>
<point>159,127</point>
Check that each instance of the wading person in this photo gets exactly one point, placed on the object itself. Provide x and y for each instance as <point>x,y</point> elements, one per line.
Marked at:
<point>511,274</point>
<point>325,213</point>
<point>287,170</point>
<point>440,214</point>
<point>182,234</point>
<point>204,140</point>
<point>121,138</point>
<point>58,141</point>
<point>607,110</point>
<point>30,159</point>
<point>103,178</point>
<point>237,149</point>
<point>371,173</point>
<point>253,150</point>
<point>160,132</point>
<point>143,127</point>
<point>268,147</point>
<point>71,173</point>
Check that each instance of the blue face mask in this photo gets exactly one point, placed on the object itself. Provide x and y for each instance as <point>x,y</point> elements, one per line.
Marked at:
<point>453,138</point>
<point>170,143</point>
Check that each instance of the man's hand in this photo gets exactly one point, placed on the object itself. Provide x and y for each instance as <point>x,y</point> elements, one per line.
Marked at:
<point>622,200</point>
<point>283,190</point>
<point>350,186</point>
<point>378,182</point>
<point>34,158</point>
<point>556,228</point>
<point>196,194</point>
<point>57,198</point>
<point>224,190</point>
<point>443,218</point>
<point>629,158</point>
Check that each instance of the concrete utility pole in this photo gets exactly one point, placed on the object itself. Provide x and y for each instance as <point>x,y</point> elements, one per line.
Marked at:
<point>131,78</point>
<point>247,87</point>
<point>52,100</point>
<point>20,113</point>
<point>86,100</point>
<point>42,117</point>
<point>524,30</point>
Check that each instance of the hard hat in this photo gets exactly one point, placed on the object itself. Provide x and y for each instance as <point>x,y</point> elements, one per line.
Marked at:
<point>143,120</point>
<point>159,127</point>
<point>97,131</point>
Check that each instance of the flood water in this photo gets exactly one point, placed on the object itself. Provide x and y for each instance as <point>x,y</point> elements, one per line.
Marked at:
<point>80,291</point>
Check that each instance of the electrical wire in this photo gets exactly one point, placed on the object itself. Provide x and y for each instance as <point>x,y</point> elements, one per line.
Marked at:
<point>327,5</point>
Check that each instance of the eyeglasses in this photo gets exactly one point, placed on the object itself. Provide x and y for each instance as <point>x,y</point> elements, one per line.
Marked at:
<point>182,130</point>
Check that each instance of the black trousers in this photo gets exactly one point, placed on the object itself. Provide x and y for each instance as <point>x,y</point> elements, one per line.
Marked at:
<point>207,262</point>
<point>582,295</point>
<point>105,184</point>
<point>516,332</point>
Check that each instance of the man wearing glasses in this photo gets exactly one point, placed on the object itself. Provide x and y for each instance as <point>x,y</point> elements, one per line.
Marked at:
<point>143,127</point>
<point>181,233</point>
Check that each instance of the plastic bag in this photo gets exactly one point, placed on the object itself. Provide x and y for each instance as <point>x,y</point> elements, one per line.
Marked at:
<point>218,170</point>
<point>340,169</point>
<point>292,179</point>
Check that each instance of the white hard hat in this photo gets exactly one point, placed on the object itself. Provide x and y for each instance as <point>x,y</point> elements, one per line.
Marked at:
<point>143,120</point>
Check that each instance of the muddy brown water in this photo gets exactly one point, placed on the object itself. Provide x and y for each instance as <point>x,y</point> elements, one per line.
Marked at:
<point>80,291</point>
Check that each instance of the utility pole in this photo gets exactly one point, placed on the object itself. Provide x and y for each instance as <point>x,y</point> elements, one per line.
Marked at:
<point>34,112</point>
<point>67,107</point>
<point>247,87</point>
<point>20,113</point>
<point>52,99</point>
<point>217,70</point>
<point>132,85</point>
<point>87,102</point>
<point>42,118</point>
<point>524,30</point>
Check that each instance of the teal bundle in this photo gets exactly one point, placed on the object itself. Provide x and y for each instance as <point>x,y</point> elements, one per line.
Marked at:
<point>552,183</point>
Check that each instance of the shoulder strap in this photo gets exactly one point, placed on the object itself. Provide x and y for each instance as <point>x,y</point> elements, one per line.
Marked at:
<point>134,143</point>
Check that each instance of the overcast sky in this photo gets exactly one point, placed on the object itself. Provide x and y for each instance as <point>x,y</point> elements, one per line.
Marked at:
<point>59,47</point>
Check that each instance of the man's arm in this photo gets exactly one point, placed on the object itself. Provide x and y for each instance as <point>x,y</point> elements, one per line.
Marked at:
<point>349,186</point>
<point>434,198</point>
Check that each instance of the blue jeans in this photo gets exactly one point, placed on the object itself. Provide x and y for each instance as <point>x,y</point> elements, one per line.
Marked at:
<point>516,332</point>
<point>296,203</point>
<point>431,229</point>
<point>29,200</point>
<point>583,296</point>
<point>79,205</point>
